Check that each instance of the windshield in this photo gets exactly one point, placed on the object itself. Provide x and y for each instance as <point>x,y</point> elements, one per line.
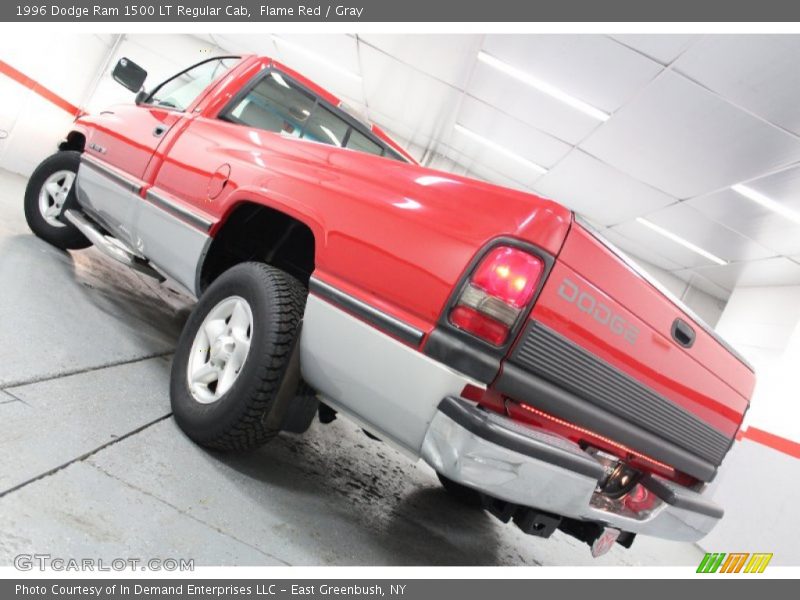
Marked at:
<point>180,91</point>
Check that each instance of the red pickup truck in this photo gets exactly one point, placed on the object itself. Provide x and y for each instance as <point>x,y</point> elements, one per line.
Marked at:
<point>482,329</point>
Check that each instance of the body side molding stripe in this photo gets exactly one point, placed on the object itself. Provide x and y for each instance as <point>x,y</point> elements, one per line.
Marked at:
<point>93,163</point>
<point>372,315</point>
<point>179,211</point>
<point>167,205</point>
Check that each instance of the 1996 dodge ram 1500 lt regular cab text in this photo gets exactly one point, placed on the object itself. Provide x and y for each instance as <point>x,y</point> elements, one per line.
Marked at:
<point>482,329</point>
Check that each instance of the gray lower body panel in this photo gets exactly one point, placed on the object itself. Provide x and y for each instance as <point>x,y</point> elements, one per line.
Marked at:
<point>108,199</point>
<point>175,247</point>
<point>162,236</point>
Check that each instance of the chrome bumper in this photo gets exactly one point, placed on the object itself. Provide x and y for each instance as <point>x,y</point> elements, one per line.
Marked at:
<point>530,467</point>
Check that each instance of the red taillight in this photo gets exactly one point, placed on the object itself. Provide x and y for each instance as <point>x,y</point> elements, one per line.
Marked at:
<point>471,320</point>
<point>509,274</point>
<point>500,288</point>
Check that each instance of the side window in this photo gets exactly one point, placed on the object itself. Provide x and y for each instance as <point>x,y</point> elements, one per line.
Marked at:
<point>274,105</point>
<point>326,127</point>
<point>358,141</point>
<point>180,91</point>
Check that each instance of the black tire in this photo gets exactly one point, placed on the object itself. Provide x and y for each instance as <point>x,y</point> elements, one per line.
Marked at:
<point>251,412</point>
<point>66,237</point>
<point>462,493</point>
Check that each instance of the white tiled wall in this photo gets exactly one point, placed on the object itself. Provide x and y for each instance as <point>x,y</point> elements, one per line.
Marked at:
<point>763,323</point>
<point>706,306</point>
<point>758,485</point>
<point>77,68</point>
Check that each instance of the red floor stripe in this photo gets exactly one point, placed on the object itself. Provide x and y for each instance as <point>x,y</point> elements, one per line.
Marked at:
<point>771,440</point>
<point>49,95</point>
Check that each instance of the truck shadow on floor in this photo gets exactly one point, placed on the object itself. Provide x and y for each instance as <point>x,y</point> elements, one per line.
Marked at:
<point>380,494</point>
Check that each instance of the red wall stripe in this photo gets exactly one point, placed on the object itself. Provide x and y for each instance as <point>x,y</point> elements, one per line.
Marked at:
<point>38,88</point>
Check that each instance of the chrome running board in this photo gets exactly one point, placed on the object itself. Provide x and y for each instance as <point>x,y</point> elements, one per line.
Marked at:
<point>110,246</point>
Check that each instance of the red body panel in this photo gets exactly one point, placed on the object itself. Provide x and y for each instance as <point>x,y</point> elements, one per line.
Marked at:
<point>377,222</point>
<point>125,135</point>
<point>394,234</point>
<point>589,257</point>
<point>704,379</point>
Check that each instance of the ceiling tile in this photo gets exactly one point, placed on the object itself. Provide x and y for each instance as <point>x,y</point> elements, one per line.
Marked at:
<point>479,159</point>
<point>703,284</point>
<point>529,105</point>
<point>660,245</point>
<point>446,57</point>
<point>695,227</point>
<point>410,133</point>
<point>664,48</point>
<point>768,272</point>
<point>757,72</point>
<point>750,220</point>
<point>339,49</point>
<point>312,55</point>
<point>479,171</point>
<point>247,43</point>
<point>452,161</point>
<point>686,141</point>
<point>783,187</point>
<point>388,87</point>
<point>443,163</point>
<point>507,132</point>
<point>599,191</point>
<point>637,251</point>
<point>592,68</point>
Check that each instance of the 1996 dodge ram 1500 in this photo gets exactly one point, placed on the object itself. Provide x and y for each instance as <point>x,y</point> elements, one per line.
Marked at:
<point>481,329</point>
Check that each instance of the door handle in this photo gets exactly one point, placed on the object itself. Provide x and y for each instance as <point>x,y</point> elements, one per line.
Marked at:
<point>160,130</point>
<point>683,333</point>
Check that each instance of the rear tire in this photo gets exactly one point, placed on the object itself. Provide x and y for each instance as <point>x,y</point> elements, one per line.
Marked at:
<point>50,189</point>
<point>231,381</point>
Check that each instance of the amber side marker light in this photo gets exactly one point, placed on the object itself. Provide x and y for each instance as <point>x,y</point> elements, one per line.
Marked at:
<point>498,291</point>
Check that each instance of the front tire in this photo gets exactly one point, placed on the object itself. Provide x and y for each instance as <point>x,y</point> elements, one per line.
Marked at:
<point>50,189</point>
<point>234,371</point>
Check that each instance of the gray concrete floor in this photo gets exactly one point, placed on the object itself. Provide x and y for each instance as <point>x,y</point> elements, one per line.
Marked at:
<point>94,466</point>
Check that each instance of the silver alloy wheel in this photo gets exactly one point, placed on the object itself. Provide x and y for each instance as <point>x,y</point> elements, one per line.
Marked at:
<point>220,349</point>
<point>53,194</point>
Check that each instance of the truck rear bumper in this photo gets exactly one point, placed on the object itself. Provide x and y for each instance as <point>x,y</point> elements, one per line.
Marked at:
<point>505,460</point>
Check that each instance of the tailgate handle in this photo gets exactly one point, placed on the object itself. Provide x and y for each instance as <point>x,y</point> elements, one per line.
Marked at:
<point>683,333</point>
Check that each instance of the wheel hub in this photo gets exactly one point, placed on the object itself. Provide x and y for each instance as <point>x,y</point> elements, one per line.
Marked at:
<point>220,349</point>
<point>53,194</point>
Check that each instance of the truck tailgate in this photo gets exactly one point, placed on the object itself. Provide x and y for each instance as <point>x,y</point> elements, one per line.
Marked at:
<point>602,333</point>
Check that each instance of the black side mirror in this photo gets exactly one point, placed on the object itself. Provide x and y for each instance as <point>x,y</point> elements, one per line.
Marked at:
<point>130,75</point>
